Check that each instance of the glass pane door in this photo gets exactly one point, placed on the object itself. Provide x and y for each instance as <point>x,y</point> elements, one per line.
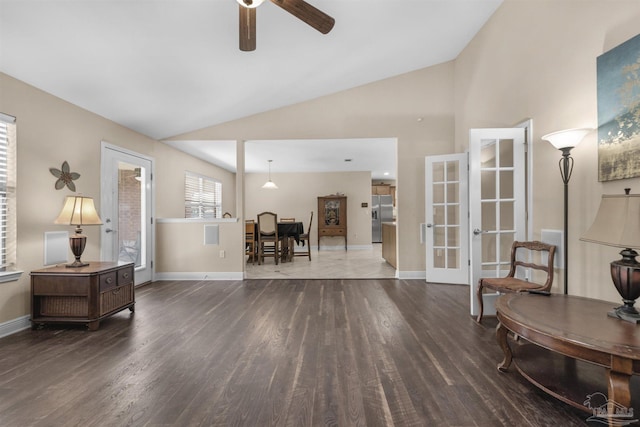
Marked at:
<point>131,214</point>
<point>496,204</point>
<point>126,210</point>
<point>446,218</point>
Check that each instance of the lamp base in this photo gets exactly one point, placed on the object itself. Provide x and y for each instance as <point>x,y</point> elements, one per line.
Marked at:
<point>77,264</point>
<point>77,243</point>
<point>625,274</point>
<point>622,314</point>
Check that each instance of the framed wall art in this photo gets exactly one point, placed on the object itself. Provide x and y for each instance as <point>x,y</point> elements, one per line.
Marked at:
<point>619,111</point>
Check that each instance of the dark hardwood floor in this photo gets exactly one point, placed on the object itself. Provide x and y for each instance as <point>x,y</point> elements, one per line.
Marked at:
<point>274,353</point>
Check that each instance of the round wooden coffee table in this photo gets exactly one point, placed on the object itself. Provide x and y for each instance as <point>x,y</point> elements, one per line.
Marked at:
<point>569,340</point>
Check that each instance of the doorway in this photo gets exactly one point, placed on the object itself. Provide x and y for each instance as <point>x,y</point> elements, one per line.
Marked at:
<point>126,209</point>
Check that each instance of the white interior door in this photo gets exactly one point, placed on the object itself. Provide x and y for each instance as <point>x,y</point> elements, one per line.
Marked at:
<point>497,204</point>
<point>446,216</point>
<point>126,210</point>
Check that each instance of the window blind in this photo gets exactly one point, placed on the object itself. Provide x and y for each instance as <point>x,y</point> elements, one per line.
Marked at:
<point>202,196</point>
<point>7,192</point>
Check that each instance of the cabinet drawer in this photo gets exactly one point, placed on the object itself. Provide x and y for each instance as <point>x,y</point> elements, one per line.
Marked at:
<point>108,281</point>
<point>125,276</point>
<point>332,231</point>
<point>63,306</point>
<point>60,285</point>
<point>115,298</point>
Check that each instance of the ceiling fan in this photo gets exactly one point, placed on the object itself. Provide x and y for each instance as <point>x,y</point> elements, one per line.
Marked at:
<point>298,8</point>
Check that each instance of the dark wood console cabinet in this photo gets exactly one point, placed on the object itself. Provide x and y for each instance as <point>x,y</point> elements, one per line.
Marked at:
<point>332,217</point>
<point>81,295</point>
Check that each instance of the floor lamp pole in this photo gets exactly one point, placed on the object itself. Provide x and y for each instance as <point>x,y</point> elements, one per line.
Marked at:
<point>566,167</point>
<point>564,141</point>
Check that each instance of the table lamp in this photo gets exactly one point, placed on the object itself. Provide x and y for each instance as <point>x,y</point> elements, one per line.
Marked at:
<point>617,224</point>
<point>78,211</point>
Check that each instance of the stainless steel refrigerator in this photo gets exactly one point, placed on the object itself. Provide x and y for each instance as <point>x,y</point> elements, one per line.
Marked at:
<point>381,211</point>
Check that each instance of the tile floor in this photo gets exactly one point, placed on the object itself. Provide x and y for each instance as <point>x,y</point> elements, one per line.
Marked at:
<point>327,264</point>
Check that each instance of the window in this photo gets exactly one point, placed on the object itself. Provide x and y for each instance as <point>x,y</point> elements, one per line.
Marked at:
<point>202,196</point>
<point>7,197</point>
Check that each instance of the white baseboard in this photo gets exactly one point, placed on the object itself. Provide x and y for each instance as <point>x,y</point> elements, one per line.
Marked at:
<point>412,275</point>
<point>225,275</point>
<point>16,325</point>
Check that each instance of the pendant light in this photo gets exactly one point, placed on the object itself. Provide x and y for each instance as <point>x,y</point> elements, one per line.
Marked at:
<point>270,185</point>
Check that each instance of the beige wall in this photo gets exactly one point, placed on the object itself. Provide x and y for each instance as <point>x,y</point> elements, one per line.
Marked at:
<point>297,196</point>
<point>51,131</point>
<point>181,249</point>
<point>389,108</point>
<point>537,59</point>
<point>170,168</point>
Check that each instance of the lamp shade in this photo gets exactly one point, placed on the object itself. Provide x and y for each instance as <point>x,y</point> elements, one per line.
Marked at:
<point>566,138</point>
<point>78,210</point>
<point>270,185</point>
<point>617,222</point>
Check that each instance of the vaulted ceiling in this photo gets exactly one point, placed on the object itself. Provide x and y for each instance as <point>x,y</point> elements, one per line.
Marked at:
<point>166,67</point>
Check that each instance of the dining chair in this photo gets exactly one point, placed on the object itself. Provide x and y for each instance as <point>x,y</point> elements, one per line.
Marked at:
<point>510,283</point>
<point>268,239</point>
<point>288,253</point>
<point>304,238</point>
<point>250,240</point>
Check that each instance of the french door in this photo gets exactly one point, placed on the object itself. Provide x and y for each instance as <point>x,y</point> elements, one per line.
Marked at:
<point>446,215</point>
<point>497,204</point>
<point>126,209</point>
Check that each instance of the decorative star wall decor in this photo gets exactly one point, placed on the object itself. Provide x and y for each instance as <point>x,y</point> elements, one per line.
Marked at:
<point>65,177</point>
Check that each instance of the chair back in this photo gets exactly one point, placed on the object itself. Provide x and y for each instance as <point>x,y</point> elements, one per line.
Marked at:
<point>310,221</point>
<point>536,246</point>
<point>268,223</point>
<point>250,229</point>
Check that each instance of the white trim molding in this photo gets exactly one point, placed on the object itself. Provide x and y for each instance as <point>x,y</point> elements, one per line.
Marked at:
<point>10,276</point>
<point>16,325</point>
<point>411,274</point>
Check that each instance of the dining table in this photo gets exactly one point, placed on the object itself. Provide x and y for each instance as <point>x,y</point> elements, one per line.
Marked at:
<point>286,230</point>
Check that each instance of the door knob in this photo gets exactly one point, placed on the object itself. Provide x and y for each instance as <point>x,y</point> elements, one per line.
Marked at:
<point>108,230</point>
<point>429,225</point>
<point>477,231</point>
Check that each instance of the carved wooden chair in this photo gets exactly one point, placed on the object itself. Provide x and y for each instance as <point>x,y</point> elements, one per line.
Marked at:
<point>511,283</point>
<point>251,247</point>
<point>304,238</point>
<point>268,239</point>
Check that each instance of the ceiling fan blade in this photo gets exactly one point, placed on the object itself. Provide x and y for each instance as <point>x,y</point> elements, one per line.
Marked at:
<point>247,29</point>
<point>307,13</point>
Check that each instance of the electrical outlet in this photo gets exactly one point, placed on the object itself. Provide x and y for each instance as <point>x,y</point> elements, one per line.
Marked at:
<point>221,254</point>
